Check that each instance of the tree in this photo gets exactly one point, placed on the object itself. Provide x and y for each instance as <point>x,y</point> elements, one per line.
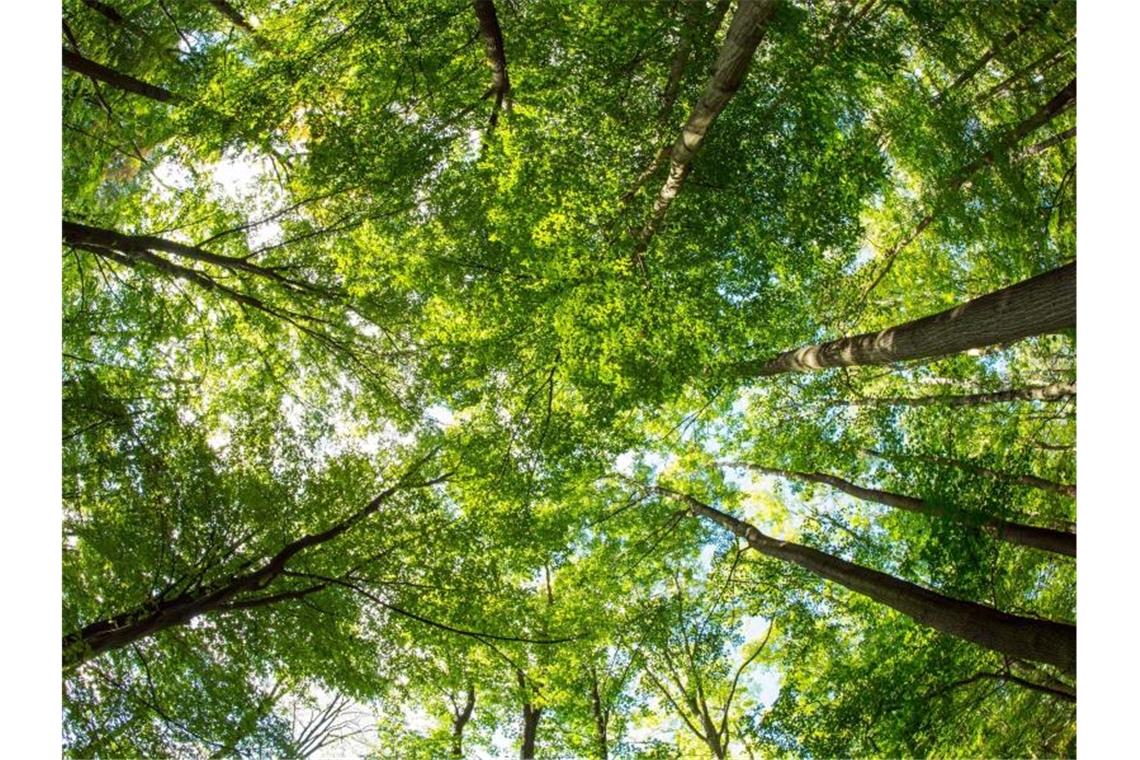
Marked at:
<point>1044,304</point>
<point>304,244</point>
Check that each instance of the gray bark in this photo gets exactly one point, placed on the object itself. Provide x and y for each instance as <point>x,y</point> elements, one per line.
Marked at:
<point>1040,305</point>
<point>1024,638</point>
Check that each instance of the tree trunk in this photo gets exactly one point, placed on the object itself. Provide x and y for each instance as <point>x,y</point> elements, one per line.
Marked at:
<point>1049,142</point>
<point>133,245</point>
<point>531,716</point>
<point>1043,304</point>
<point>1045,539</point>
<point>1032,481</point>
<point>461,719</point>
<point>1003,43</point>
<point>1025,638</point>
<point>232,14</point>
<point>1051,392</point>
<point>493,43</point>
<point>733,58</point>
<point>1045,61</point>
<point>87,67</point>
<point>158,614</point>
<point>1060,103</point>
<point>601,716</point>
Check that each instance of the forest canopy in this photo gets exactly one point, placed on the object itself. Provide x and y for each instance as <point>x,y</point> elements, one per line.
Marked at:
<point>487,378</point>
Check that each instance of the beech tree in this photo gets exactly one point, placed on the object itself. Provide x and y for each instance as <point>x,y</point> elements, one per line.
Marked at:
<point>404,342</point>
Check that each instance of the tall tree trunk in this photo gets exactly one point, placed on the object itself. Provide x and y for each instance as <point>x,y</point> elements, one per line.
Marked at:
<point>135,245</point>
<point>1043,304</point>
<point>1045,539</point>
<point>1060,103</point>
<point>733,59</point>
<point>1002,44</point>
<point>118,80</point>
<point>712,736</point>
<point>531,716</point>
<point>1046,61</point>
<point>601,715</point>
<point>1024,638</point>
<point>232,14</point>
<point>1049,142</point>
<point>159,613</point>
<point>460,722</point>
<point>496,56</point>
<point>1051,392</point>
<point>1032,481</point>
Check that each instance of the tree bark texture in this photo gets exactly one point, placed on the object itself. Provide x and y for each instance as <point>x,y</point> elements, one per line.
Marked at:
<point>460,722</point>
<point>1040,305</point>
<point>1024,638</point>
<point>159,613</point>
<point>1045,539</point>
<point>601,716</point>
<point>116,79</point>
<point>1051,392</point>
<point>733,58</point>
<point>998,47</point>
<point>496,55</point>
<point>1021,479</point>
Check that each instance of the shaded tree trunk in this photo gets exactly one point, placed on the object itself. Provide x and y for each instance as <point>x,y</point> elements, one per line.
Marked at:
<point>1049,142</point>
<point>82,234</point>
<point>601,716</point>
<point>1060,103</point>
<point>1045,61</point>
<point>160,613</point>
<point>116,79</point>
<point>531,716</point>
<point>1051,392</point>
<point>1043,304</point>
<point>1025,638</point>
<point>232,14</point>
<point>460,722</point>
<point>1032,481</point>
<point>496,56</point>
<point>735,55</point>
<point>1001,45</point>
<point>1045,539</point>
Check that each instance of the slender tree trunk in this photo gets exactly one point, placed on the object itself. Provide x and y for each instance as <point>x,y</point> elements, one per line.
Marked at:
<point>496,56</point>
<point>1060,103</point>
<point>1021,637</point>
<point>133,245</point>
<point>1049,142</point>
<point>1043,304</point>
<point>232,14</point>
<point>712,736</point>
<point>1001,45</point>
<point>680,58</point>
<point>735,55</point>
<point>1045,539</point>
<point>118,80</point>
<point>1032,481</point>
<point>531,716</point>
<point>601,716</point>
<point>1046,61</point>
<point>110,13</point>
<point>158,614</point>
<point>1051,392</point>
<point>460,722</point>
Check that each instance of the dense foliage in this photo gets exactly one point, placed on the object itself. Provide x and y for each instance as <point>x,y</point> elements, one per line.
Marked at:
<point>423,388</point>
